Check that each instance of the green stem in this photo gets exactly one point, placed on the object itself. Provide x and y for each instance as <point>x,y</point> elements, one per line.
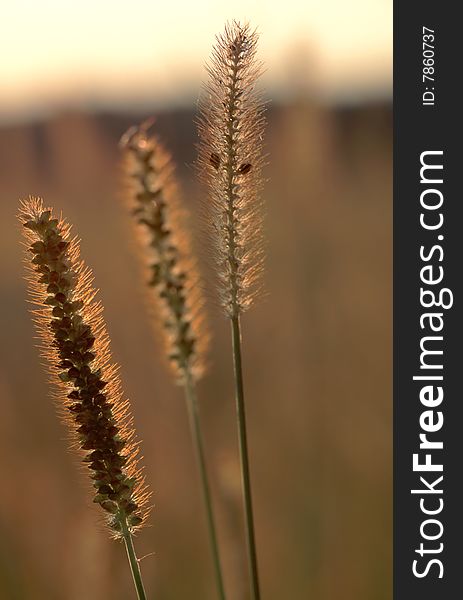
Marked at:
<point>133,560</point>
<point>193,414</point>
<point>243,445</point>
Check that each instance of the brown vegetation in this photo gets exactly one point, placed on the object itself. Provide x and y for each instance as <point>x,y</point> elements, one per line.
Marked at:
<point>320,382</point>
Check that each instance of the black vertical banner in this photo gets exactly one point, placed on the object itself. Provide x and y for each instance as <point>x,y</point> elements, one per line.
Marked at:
<point>428,311</point>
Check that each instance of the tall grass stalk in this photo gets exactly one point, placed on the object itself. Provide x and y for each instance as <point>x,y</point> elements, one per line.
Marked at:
<point>174,285</point>
<point>231,128</point>
<point>133,561</point>
<point>244,455</point>
<point>89,398</point>
<point>195,427</point>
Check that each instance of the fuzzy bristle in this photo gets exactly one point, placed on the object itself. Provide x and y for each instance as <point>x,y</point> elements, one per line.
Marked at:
<point>231,129</point>
<point>76,347</point>
<point>165,249</point>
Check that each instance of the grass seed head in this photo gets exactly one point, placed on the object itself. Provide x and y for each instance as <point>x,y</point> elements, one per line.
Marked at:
<point>76,347</point>
<point>165,248</point>
<point>230,161</point>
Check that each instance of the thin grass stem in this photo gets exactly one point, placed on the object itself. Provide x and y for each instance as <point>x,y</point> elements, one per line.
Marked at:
<point>196,434</point>
<point>230,161</point>
<point>244,457</point>
<point>133,560</point>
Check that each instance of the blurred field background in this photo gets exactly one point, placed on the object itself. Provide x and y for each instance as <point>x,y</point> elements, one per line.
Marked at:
<point>317,350</point>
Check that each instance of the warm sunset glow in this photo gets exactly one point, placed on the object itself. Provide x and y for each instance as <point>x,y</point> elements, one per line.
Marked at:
<point>61,52</point>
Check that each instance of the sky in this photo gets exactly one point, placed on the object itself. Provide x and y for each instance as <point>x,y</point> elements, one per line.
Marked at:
<point>123,53</point>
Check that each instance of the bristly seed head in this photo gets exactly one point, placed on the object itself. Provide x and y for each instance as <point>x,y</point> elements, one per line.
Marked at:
<point>76,346</point>
<point>231,129</point>
<point>166,250</point>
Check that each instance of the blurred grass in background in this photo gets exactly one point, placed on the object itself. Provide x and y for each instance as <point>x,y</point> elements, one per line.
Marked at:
<point>317,367</point>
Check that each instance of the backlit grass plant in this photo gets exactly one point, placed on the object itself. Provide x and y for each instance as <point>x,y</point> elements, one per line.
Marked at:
<point>174,286</point>
<point>231,129</point>
<point>89,397</point>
